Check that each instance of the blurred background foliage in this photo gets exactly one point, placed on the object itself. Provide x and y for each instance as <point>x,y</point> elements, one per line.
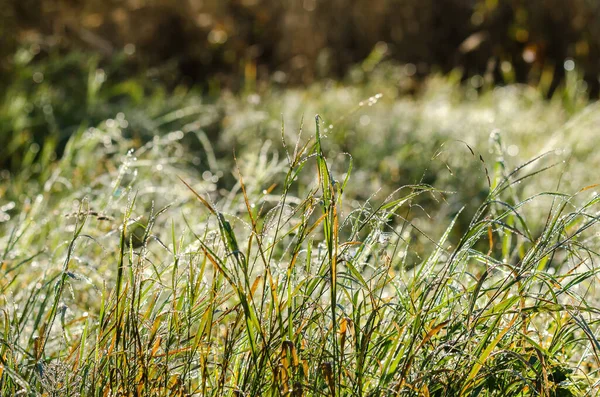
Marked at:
<point>298,41</point>
<point>67,65</point>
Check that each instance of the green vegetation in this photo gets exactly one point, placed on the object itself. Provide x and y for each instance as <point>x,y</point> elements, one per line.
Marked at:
<point>159,243</point>
<point>302,42</point>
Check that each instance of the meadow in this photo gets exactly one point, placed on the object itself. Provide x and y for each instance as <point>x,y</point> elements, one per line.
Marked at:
<point>162,242</point>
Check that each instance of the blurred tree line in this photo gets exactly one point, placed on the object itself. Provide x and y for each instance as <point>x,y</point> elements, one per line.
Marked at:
<point>297,41</point>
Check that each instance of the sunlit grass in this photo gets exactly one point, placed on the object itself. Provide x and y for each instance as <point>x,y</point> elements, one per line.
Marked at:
<point>434,258</point>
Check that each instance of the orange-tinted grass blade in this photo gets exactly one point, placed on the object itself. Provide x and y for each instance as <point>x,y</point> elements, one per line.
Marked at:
<point>432,333</point>
<point>589,187</point>
<point>202,200</point>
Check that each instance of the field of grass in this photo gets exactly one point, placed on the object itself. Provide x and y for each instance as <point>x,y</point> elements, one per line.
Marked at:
<point>157,244</point>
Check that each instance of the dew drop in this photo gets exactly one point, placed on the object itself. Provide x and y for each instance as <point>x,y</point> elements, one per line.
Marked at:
<point>38,77</point>
<point>569,65</point>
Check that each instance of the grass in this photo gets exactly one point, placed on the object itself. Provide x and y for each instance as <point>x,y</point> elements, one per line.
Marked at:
<point>437,260</point>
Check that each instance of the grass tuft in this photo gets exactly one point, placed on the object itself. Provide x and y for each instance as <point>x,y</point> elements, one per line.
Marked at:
<point>130,267</point>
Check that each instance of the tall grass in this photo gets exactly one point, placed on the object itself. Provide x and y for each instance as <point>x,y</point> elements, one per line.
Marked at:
<point>147,260</point>
<point>127,273</point>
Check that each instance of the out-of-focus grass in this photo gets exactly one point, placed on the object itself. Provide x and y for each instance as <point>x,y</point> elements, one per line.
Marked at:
<point>47,100</point>
<point>429,262</point>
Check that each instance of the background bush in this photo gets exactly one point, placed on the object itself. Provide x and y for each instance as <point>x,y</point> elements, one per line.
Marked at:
<point>230,41</point>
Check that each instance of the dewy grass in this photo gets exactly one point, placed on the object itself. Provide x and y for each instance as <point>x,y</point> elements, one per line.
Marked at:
<point>132,276</point>
<point>127,271</point>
